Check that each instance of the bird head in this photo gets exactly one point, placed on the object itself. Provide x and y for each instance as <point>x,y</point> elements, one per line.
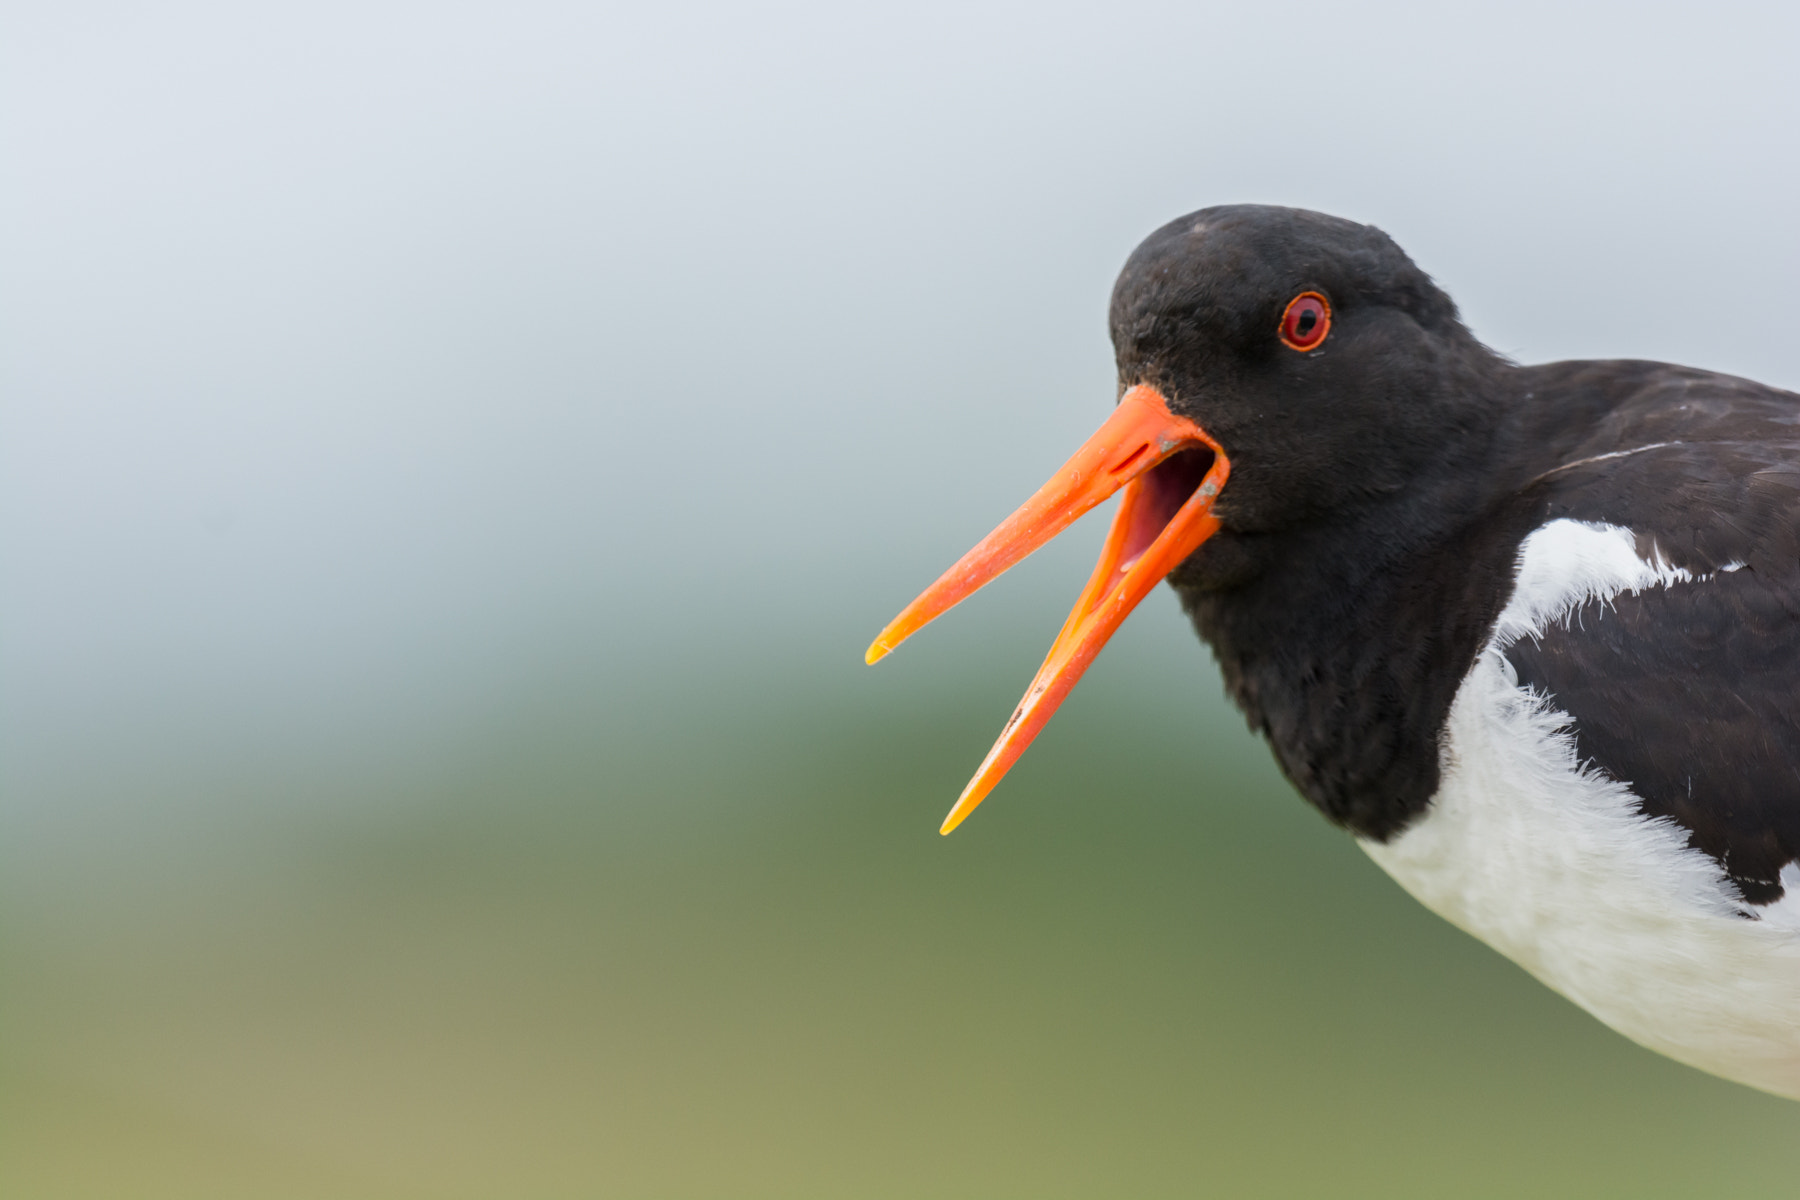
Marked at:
<point>1278,369</point>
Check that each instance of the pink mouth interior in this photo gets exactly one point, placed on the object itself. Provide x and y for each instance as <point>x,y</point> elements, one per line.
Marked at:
<point>1166,487</point>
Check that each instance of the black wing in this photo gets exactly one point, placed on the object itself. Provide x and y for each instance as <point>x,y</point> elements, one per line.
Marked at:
<point>1690,693</point>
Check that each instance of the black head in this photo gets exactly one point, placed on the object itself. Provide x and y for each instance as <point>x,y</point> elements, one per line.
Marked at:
<point>1198,312</point>
<point>1355,457</point>
<point>1300,408</point>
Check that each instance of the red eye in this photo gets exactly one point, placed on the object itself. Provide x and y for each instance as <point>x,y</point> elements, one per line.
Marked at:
<point>1306,321</point>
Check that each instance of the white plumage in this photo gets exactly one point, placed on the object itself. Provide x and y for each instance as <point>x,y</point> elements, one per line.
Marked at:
<point>1552,864</point>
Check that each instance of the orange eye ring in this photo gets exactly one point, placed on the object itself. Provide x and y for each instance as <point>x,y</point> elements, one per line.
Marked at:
<point>1306,321</point>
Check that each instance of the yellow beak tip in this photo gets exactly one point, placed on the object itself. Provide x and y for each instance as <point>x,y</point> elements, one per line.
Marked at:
<point>875,653</point>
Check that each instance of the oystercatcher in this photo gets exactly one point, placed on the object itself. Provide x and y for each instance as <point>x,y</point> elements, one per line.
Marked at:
<point>1530,633</point>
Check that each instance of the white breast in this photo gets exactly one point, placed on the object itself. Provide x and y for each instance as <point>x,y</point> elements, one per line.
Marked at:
<point>1552,864</point>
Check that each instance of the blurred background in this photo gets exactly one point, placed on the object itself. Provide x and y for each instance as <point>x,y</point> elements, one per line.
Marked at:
<point>452,458</point>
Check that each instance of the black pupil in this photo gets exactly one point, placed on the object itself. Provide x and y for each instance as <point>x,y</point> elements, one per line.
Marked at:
<point>1308,318</point>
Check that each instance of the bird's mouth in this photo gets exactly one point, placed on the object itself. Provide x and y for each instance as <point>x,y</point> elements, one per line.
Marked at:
<point>1170,470</point>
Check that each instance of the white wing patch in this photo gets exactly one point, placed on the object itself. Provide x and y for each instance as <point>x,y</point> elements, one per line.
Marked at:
<point>1567,564</point>
<point>1552,863</point>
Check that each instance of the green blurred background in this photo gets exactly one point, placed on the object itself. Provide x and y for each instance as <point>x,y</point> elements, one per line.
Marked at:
<point>453,457</point>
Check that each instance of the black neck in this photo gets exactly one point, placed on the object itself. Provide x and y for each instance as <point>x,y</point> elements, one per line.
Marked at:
<point>1344,641</point>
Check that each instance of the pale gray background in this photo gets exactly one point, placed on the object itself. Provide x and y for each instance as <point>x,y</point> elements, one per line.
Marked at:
<point>382,384</point>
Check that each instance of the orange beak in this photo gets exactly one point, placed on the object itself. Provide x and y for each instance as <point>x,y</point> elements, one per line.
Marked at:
<point>1171,471</point>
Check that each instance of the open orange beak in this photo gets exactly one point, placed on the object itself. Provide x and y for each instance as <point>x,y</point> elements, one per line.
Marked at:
<point>1171,471</point>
